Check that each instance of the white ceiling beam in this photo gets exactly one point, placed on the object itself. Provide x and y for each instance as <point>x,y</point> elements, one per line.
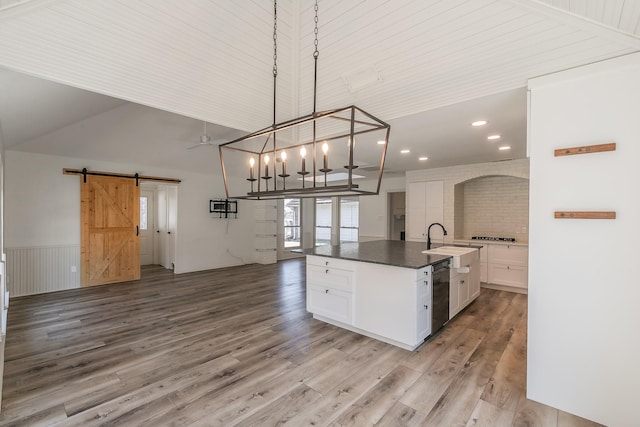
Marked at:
<point>579,22</point>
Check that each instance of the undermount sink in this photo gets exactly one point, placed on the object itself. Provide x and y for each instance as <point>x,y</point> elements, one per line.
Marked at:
<point>461,257</point>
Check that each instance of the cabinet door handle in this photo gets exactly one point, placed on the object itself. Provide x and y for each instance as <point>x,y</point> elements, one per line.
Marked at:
<point>461,282</point>
<point>508,268</point>
<point>326,263</point>
<point>426,307</point>
<point>326,291</point>
<point>326,271</point>
<point>426,283</point>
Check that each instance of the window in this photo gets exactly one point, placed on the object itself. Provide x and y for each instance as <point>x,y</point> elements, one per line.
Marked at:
<point>292,223</point>
<point>349,216</point>
<point>323,221</point>
<point>347,213</point>
<point>143,213</point>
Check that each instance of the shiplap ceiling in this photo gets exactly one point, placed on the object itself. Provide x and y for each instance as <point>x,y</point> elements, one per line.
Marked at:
<point>439,62</point>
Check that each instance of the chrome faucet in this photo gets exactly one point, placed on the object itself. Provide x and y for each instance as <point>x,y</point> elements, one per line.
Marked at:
<point>429,233</point>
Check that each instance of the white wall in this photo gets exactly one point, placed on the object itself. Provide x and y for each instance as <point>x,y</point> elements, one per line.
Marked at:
<point>43,210</point>
<point>3,308</point>
<point>583,348</point>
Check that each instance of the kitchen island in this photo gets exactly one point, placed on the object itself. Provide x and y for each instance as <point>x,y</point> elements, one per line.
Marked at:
<point>384,289</point>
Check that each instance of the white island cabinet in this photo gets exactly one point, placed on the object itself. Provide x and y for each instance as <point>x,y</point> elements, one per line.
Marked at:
<point>464,286</point>
<point>389,303</point>
<point>330,288</point>
<point>384,289</point>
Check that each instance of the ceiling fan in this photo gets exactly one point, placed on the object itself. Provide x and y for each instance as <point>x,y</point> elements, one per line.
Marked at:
<point>205,139</point>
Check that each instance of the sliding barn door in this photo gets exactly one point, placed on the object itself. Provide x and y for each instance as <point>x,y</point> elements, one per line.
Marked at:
<point>109,232</point>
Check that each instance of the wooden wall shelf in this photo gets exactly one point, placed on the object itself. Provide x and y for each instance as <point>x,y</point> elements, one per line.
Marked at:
<point>584,215</point>
<point>585,149</point>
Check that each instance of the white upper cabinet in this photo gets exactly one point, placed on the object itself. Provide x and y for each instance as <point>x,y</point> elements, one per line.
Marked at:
<point>425,205</point>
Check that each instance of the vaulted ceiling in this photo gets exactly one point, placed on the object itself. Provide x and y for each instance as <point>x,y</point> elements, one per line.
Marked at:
<point>400,60</point>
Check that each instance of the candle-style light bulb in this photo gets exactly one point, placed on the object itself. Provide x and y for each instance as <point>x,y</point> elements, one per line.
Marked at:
<point>266,165</point>
<point>325,150</point>
<point>283,156</point>
<point>252,162</point>
<point>303,153</point>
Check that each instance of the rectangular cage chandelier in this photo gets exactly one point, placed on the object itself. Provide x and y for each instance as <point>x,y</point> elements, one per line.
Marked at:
<point>308,156</point>
<point>337,152</point>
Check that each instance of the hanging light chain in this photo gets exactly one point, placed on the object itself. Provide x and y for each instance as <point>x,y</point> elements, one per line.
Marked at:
<point>275,38</point>
<point>315,30</point>
<point>315,66</point>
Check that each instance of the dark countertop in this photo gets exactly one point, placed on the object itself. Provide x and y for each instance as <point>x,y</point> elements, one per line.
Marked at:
<point>389,252</point>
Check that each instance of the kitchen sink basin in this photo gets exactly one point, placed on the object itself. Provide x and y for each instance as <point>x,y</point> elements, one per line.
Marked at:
<point>461,257</point>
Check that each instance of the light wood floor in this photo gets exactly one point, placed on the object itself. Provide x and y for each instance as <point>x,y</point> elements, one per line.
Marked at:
<point>236,346</point>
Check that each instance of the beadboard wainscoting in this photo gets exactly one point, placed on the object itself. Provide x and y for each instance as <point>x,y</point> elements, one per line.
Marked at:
<point>36,270</point>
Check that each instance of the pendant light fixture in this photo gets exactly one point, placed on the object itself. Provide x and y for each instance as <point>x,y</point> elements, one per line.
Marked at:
<point>325,153</point>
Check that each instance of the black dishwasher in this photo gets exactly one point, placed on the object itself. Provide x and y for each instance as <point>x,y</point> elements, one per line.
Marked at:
<point>440,296</point>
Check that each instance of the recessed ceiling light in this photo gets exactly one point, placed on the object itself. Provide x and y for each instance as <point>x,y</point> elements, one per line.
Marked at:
<point>479,123</point>
<point>493,137</point>
<point>405,151</point>
<point>504,147</point>
<point>382,142</point>
<point>423,158</point>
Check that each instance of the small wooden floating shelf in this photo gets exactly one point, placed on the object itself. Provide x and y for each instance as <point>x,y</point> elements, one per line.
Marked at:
<point>585,149</point>
<point>584,215</point>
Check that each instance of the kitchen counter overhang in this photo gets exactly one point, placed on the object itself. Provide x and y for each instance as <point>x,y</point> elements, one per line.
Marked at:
<point>388,252</point>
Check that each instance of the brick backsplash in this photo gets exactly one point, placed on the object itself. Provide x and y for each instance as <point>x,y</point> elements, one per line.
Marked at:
<point>495,206</point>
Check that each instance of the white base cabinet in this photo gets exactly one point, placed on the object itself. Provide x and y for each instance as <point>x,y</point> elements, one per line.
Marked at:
<point>502,263</point>
<point>464,287</point>
<point>392,304</point>
<point>508,265</point>
<point>330,288</point>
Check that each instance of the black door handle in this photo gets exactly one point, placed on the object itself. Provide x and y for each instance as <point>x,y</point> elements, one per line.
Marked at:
<point>137,230</point>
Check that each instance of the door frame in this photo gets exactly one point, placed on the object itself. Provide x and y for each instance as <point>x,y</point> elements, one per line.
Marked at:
<point>165,236</point>
<point>152,215</point>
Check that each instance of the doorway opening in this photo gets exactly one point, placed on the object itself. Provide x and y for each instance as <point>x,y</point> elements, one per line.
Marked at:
<point>396,215</point>
<point>158,214</point>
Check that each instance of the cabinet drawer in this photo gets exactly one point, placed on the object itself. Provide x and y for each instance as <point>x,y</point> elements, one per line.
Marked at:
<point>508,254</point>
<point>332,303</point>
<point>424,273</point>
<point>330,277</point>
<point>321,261</point>
<point>423,286</point>
<point>423,321</point>
<point>508,275</point>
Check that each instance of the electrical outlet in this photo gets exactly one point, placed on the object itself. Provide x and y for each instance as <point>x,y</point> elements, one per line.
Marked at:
<point>74,269</point>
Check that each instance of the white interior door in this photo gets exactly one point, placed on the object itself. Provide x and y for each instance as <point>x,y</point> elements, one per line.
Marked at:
<point>161,227</point>
<point>147,226</point>
<point>167,227</point>
<point>172,226</point>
